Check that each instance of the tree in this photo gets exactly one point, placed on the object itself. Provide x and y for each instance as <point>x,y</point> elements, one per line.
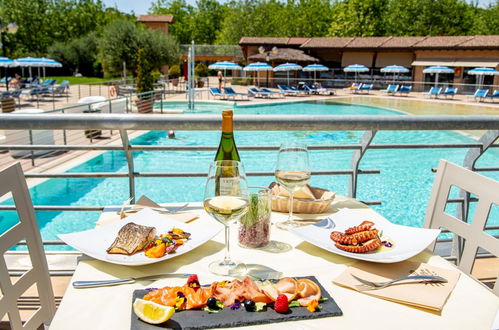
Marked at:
<point>182,12</point>
<point>143,77</point>
<point>206,21</point>
<point>358,18</point>
<point>122,40</point>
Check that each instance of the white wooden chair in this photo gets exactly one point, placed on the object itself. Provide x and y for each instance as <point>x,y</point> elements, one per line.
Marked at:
<point>12,180</point>
<point>487,192</point>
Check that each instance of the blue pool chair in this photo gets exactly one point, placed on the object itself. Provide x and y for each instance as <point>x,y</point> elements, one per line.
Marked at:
<point>256,93</point>
<point>230,92</point>
<point>286,90</point>
<point>391,89</point>
<point>365,88</point>
<point>480,94</point>
<point>272,93</point>
<point>404,90</point>
<point>435,91</point>
<point>215,92</point>
<point>493,96</point>
<point>449,91</point>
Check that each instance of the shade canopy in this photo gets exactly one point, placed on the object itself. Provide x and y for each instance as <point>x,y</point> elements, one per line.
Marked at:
<point>394,69</point>
<point>225,65</point>
<point>483,72</point>
<point>438,69</point>
<point>286,67</point>
<point>7,62</point>
<point>316,67</point>
<point>40,62</point>
<point>356,68</point>
<point>258,66</point>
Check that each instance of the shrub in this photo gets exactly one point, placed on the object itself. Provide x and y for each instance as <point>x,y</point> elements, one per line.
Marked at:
<point>201,70</point>
<point>144,77</point>
<point>174,72</point>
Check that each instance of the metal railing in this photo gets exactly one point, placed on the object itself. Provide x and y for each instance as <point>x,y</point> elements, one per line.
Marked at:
<point>370,125</point>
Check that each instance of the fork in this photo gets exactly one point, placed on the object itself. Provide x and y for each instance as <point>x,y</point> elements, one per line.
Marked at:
<point>381,285</point>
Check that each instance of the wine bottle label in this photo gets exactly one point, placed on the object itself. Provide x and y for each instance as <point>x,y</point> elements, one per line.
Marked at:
<point>229,186</point>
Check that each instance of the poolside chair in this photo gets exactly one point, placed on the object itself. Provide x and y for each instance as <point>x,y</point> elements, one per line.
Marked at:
<point>404,90</point>
<point>315,89</point>
<point>391,89</point>
<point>297,91</point>
<point>480,94</point>
<point>493,96</point>
<point>437,216</point>
<point>435,91</point>
<point>364,88</point>
<point>449,91</point>
<point>256,93</point>
<point>37,275</point>
<point>287,91</point>
<point>230,92</point>
<point>272,93</point>
<point>215,92</point>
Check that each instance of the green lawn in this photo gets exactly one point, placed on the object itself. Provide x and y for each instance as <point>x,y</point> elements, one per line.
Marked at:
<point>80,80</point>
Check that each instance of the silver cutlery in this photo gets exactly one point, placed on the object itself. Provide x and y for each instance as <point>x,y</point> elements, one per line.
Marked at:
<point>421,278</point>
<point>94,284</point>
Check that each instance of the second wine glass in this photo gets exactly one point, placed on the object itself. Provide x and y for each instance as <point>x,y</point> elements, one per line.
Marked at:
<point>226,200</point>
<point>292,172</point>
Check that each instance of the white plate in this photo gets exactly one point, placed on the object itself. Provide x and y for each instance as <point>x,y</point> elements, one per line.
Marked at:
<point>96,241</point>
<point>409,241</point>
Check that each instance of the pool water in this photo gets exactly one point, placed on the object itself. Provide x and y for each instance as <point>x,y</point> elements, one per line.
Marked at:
<point>403,186</point>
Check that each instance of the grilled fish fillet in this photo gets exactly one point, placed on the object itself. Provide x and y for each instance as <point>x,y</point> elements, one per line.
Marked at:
<point>131,239</point>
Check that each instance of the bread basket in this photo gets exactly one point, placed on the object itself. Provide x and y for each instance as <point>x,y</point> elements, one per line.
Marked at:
<point>320,203</point>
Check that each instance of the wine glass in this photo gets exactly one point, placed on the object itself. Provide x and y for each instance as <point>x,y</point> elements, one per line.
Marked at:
<point>292,172</point>
<point>226,200</point>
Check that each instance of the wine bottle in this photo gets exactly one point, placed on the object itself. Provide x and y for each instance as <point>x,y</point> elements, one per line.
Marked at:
<point>228,178</point>
<point>227,149</point>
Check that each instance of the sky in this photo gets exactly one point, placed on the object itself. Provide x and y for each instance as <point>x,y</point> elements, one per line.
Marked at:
<point>142,6</point>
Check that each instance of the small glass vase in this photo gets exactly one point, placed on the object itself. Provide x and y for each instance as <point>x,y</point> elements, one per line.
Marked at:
<point>254,226</point>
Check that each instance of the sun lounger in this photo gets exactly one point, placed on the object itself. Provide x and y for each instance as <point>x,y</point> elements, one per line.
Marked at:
<point>354,87</point>
<point>480,94</point>
<point>297,91</point>
<point>215,92</point>
<point>256,93</point>
<point>286,90</point>
<point>391,89</point>
<point>314,89</point>
<point>272,93</point>
<point>404,90</point>
<point>365,88</point>
<point>435,91</point>
<point>493,96</point>
<point>230,92</point>
<point>449,91</point>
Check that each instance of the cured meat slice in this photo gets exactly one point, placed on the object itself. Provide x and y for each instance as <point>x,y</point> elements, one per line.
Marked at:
<point>308,291</point>
<point>288,287</point>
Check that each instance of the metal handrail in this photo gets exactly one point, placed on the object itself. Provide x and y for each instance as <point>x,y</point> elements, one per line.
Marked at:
<point>125,122</point>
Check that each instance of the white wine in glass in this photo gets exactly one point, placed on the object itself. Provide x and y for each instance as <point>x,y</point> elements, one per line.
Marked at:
<point>226,204</point>
<point>292,172</point>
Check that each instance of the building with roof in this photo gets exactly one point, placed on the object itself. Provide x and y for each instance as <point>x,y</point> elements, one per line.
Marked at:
<point>460,52</point>
<point>157,22</point>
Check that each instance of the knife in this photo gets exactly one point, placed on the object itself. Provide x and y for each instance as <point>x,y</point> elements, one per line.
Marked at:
<point>94,284</point>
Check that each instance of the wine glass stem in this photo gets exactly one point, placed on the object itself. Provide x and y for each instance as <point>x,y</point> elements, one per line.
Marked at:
<point>227,245</point>
<point>291,196</point>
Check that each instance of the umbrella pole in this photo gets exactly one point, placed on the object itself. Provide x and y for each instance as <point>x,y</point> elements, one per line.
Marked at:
<point>288,77</point>
<point>436,79</point>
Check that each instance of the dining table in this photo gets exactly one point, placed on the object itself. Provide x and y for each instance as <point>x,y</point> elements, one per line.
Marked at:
<point>469,306</point>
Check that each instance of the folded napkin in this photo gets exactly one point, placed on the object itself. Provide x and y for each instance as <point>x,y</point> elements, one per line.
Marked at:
<point>430,296</point>
<point>110,215</point>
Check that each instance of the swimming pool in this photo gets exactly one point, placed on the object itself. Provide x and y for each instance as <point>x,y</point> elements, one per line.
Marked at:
<point>403,185</point>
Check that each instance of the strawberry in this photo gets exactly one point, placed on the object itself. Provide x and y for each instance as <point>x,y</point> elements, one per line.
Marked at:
<point>281,304</point>
<point>193,281</point>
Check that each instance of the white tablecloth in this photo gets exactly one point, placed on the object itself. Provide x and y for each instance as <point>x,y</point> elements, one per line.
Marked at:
<point>470,306</point>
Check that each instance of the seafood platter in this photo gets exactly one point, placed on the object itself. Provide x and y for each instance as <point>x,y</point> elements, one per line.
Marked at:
<point>365,235</point>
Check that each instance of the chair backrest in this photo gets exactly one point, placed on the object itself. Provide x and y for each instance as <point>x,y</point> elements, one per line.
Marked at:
<point>392,88</point>
<point>405,89</point>
<point>214,90</point>
<point>229,90</point>
<point>487,192</point>
<point>12,179</point>
<point>435,90</point>
<point>451,90</point>
<point>481,92</point>
<point>282,87</point>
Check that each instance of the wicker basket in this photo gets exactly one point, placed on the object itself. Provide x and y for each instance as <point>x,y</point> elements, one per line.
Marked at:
<point>323,199</point>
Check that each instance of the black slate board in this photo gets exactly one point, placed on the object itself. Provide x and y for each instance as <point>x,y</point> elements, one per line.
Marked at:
<point>198,319</point>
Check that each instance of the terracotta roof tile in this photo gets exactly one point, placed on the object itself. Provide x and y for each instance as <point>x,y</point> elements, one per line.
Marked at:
<point>156,18</point>
<point>442,42</point>
<point>263,41</point>
<point>297,41</point>
<point>401,42</point>
<point>491,41</point>
<point>367,42</point>
<point>326,42</point>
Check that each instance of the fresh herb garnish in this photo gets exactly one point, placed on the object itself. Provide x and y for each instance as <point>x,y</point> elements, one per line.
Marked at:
<point>260,307</point>
<point>294,303</point>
